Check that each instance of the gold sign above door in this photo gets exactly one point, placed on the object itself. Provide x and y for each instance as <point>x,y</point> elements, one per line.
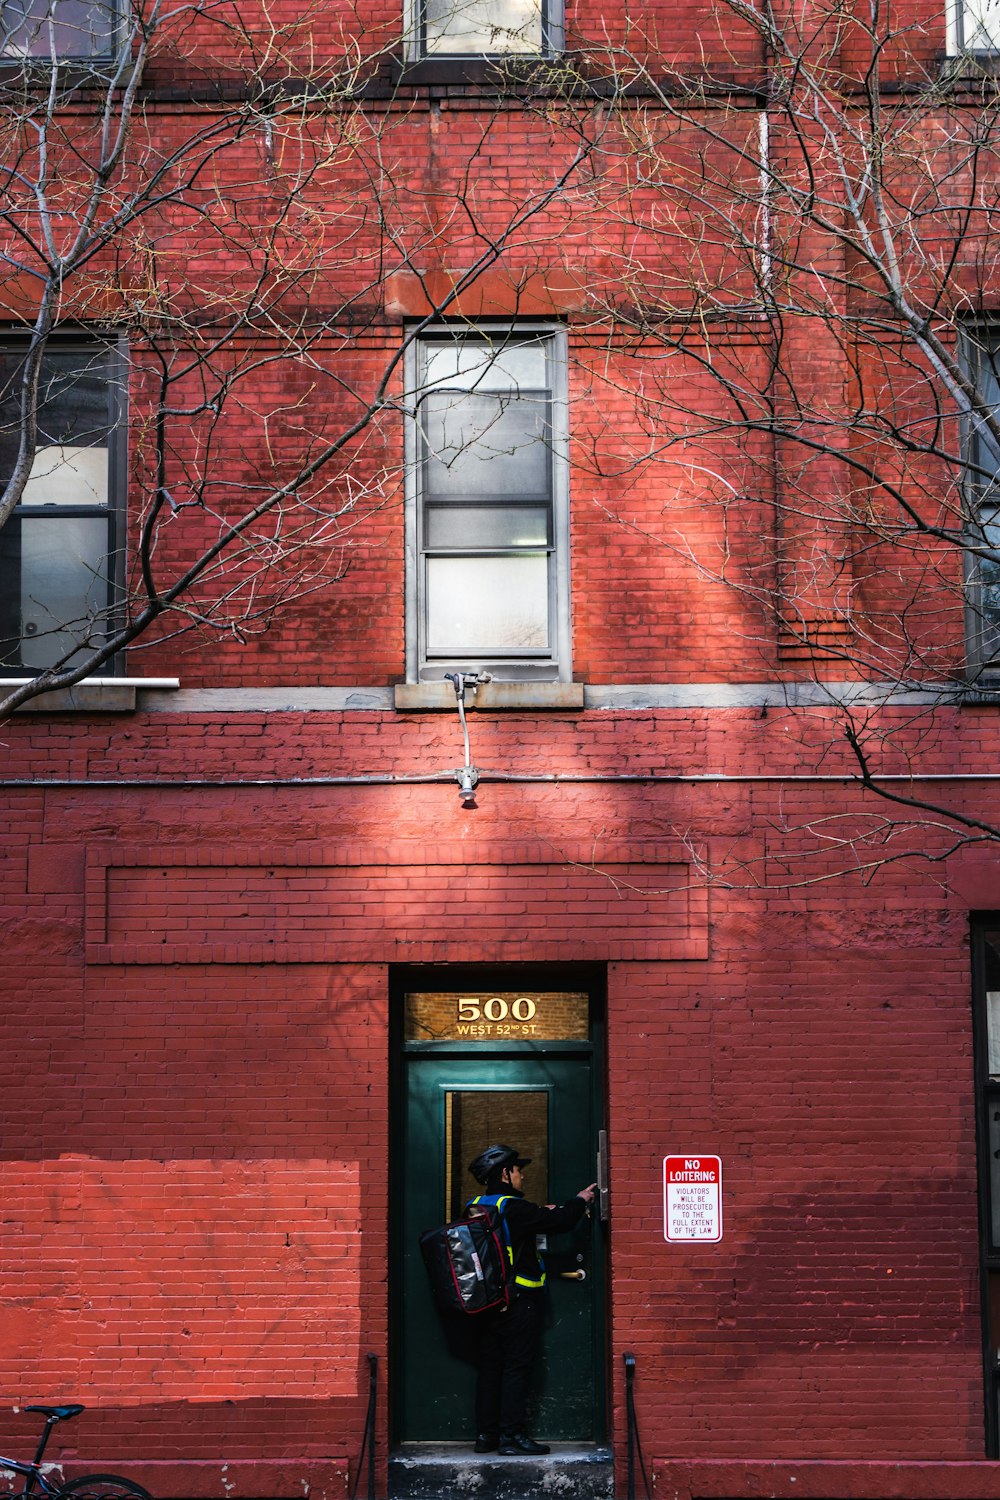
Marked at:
<point>492,1016</point>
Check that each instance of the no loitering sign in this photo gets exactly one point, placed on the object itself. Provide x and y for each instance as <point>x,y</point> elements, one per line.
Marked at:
<point>692,1198</point>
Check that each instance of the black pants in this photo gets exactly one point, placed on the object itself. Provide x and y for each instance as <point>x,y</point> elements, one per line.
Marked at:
<point>506,1354</point>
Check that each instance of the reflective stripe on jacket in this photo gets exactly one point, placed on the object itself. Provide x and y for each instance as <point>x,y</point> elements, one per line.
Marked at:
<point>497,1201</point>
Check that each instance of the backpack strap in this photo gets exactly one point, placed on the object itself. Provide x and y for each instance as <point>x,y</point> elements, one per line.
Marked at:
<point>497,1201</point>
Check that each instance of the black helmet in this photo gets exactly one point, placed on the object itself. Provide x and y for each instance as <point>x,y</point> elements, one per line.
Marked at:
<point>491,1162</point>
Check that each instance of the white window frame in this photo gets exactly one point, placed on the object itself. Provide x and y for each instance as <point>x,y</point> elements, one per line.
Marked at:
<point>105,55</point>
<point>956,42</point>
<point>556,664</point>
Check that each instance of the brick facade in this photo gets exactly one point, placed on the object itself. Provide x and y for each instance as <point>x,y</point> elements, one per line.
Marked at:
<point>206,902</point>
<point>198,1122</point>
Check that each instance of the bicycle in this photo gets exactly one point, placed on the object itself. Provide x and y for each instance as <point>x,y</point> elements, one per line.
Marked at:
<point>85,1487</point>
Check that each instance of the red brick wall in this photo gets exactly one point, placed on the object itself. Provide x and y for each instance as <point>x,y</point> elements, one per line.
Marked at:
<point>195,1153</point>
<point>194,1169</point>
<point>195,1148</point>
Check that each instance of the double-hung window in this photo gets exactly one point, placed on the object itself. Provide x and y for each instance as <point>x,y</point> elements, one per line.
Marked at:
<point>59,30</point>
<point>488,576</point>
<point>58,552</point>
<point>981,356</point>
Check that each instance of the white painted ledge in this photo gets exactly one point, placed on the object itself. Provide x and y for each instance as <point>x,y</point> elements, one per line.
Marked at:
<point>165,695</point>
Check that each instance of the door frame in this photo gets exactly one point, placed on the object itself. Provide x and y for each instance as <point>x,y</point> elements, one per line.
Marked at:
<point>591,978</point>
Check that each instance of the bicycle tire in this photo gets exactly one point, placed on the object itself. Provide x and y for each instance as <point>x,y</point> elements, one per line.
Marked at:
<point>102,1487</point>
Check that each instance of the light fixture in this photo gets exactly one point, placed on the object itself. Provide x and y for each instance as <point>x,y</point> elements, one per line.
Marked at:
<point>467,776</point>
<point>468,779</point>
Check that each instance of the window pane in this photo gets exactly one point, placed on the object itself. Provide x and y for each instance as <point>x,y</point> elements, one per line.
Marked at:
<point>56,566</point>
<point>487,526</point>
<point>985,454</point>
<point>991,955</point>
<point>981,25</point>
<point>67,475</point>
<point>473,365</point>
<point>993,1031</point>
<point>73,401</point>
<point>987,594</point>
<point>488,603</point>
<point>486,445</point>
<point>56,28</point>
<point>993,1107</point>
<point>475,1119</point>
<point>483,26</point>
<point>464,26</point>
<point>64,591</point>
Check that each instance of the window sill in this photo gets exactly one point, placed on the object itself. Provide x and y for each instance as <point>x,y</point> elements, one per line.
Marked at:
<point>97,695</point>
<point>504,70</point>
<point>424,696</point>
<point>969,66</point>
<point>75,75</point>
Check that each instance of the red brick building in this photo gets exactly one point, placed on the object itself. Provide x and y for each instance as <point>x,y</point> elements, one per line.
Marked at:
<point>271,981</point>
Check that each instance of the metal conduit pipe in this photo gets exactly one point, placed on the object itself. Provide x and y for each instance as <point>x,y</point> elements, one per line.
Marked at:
<point>528,778</point>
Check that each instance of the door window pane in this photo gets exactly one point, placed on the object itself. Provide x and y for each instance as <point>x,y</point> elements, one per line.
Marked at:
<point>477,1118</point>
<point>993,1112</point>
<point>991,954</point>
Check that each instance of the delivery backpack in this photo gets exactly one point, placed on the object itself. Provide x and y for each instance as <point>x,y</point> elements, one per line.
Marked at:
<point>467,1261</point>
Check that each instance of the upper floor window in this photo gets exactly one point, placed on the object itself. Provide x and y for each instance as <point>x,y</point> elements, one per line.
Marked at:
<point>58,551</point>
<point>485,28</point>
<point>488,522</point>
<point>981,356</point>
<point>58,30</point>
<point>978,25</point>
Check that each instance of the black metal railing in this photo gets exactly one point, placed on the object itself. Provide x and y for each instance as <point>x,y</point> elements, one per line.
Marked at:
<point>368,1436</point>
<point>634,1445</point>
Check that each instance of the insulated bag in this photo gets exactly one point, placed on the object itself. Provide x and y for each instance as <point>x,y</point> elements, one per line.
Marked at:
<point>467,1262</point>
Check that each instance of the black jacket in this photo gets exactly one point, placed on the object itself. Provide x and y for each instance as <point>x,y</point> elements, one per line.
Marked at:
<point>524,1221</point>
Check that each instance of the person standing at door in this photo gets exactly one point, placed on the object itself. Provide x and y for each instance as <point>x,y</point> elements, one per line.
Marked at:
<point>509,1339</point>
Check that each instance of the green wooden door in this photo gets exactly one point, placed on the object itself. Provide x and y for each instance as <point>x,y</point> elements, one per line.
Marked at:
<point>543,1104</point>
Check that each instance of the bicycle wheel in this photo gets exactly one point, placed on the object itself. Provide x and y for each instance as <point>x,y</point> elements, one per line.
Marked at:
<point>102,1487</point>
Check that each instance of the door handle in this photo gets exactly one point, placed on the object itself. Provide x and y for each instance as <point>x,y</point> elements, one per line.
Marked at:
<point>603,1205</point>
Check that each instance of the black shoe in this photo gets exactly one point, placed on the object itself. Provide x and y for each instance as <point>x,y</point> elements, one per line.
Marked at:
<point>519,1442</point>
<point>485,1443</point>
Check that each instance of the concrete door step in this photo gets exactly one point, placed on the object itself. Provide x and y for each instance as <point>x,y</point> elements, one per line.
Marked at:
<point>451,1471</point>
